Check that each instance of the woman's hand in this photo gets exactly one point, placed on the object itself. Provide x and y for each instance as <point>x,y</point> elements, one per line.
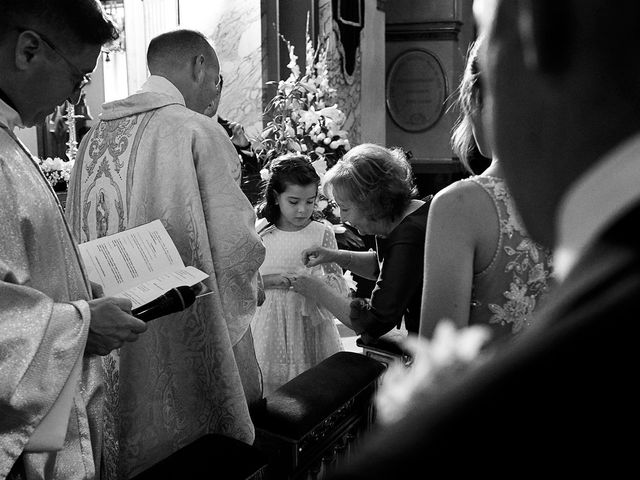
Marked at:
<point>317,255</point>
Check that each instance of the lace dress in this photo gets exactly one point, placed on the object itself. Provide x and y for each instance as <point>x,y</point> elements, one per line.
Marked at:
<point>292,334</point>
<point>506,293</point>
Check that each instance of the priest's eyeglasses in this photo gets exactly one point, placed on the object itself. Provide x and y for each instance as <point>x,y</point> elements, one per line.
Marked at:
<point>85,78</point>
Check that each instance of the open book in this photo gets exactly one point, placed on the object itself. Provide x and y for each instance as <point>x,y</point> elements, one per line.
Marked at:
<point>140,264</point>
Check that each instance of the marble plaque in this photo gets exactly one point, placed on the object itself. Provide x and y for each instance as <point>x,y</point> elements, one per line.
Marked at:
<point>416,90</point>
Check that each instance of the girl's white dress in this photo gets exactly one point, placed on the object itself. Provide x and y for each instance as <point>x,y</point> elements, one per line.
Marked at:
<point>292,334</point>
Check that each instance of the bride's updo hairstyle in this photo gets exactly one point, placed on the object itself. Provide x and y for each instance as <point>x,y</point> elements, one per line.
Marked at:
<point>289,169</point>
<point>378,180</point>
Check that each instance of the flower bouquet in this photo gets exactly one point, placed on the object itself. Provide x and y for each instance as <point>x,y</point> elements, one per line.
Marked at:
<point>300,117</point>
<point>57,172</point>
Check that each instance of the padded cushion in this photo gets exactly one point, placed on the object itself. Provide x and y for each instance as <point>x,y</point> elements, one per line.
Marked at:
<point>210,457</point>
<point>306,400</point>
<point>390,343</point>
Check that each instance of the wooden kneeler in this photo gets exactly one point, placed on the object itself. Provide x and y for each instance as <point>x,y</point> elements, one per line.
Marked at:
<point>210,457</point>
<point>312,423</point>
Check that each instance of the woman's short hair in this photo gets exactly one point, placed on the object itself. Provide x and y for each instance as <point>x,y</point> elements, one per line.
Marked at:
<point>378,180</point>
<point>288,169</point>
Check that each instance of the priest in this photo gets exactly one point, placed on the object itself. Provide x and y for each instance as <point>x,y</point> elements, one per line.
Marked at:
<point>52,329</point>
<point>155,155</point>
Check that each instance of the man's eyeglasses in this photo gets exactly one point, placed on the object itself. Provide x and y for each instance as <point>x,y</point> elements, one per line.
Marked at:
<point>85,78</point>
<point>219,83</point>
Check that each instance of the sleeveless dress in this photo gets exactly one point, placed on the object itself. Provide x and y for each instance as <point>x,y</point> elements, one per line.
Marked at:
<point>292,334</point>
<point>506,293</point>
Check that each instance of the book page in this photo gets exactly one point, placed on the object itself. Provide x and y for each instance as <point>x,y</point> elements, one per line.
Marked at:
<point>141,263</point>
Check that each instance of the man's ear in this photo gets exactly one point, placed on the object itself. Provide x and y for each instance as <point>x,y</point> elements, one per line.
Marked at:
<point>28,46</point>
<point>198,70</point>
<point>546,33</point>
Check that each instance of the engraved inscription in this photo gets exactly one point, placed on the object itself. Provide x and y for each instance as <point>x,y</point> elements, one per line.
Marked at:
<point>416,90</point>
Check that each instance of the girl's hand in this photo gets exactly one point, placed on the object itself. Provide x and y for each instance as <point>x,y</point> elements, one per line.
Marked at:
<point>316,255</point>
<point>276,280</point>
<point>306,285</point>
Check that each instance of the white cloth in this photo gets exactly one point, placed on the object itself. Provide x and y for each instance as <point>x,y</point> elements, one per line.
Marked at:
<point>595,200</point>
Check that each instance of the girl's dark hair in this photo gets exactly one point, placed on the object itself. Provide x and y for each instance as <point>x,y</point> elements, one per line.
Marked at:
<point>289,169</point>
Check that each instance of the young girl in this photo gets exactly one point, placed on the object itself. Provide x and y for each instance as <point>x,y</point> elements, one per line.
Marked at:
<point>292,333</point>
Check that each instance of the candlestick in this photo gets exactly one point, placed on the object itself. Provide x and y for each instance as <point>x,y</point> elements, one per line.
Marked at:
<point>70,120</point>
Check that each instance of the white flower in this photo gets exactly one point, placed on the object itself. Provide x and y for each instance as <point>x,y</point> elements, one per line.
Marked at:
<point>351,283</point>
<point>339,228</point>
<point>293,63</point>
<point>433,364</point>
<point>320,166</point>
<point>56,169</point>
<point>294,146</point>
<point>309,117</point>
<point>290,132</point>
<point>265,174</point>
<point>334,113</point>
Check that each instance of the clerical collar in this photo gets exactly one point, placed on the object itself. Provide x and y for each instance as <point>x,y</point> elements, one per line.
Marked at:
<point>9,117</point>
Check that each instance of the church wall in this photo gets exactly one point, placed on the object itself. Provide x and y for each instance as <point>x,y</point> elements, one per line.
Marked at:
<point>426,45</point>
<point>234,27</point>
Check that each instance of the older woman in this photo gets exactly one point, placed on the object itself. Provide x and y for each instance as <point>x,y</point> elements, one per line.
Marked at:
<point>374,188</point>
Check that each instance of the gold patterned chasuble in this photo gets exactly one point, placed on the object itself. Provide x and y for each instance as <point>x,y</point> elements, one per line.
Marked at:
<point>152,158</point>
<point>44,322</point>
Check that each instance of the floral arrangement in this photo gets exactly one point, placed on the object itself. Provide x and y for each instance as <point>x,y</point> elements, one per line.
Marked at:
<point>300,117</point>
<point>300,120</point>
<point>57,171</point>
<point>434,365</point>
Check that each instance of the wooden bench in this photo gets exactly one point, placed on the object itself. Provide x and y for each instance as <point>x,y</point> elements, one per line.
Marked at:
<point>312,423</point>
